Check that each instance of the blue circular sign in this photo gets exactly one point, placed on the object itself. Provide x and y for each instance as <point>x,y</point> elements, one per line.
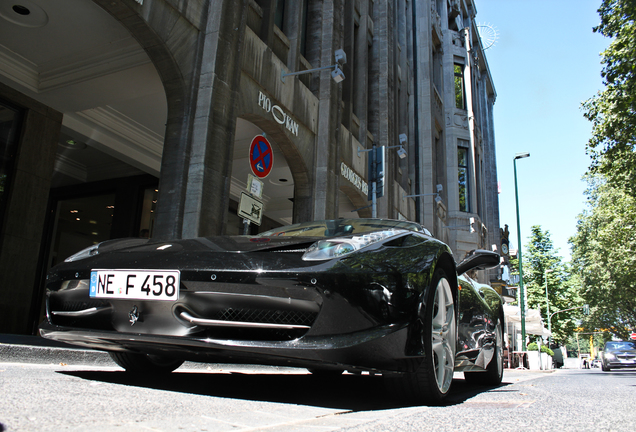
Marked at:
<point>261,156</point>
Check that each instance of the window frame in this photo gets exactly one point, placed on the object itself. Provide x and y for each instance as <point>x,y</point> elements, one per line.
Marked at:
<point>463,187</point>
<point>459,85</point>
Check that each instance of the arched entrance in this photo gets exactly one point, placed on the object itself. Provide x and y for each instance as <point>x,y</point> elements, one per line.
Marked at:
<point>80,60</point>
<point>278,187</point>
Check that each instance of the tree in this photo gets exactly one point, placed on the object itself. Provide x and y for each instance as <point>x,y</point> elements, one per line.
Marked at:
<point>542,263</point>
<point>613,110</point>
<point>603,254</point>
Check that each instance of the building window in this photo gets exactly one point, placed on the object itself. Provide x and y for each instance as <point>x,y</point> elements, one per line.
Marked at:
<point>279,15</point>
<point>462,179</point>
<point>460,90</point>
<point>303,30</point>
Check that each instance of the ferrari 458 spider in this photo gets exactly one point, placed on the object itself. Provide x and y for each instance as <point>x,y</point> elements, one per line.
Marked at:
<point>338,295</point>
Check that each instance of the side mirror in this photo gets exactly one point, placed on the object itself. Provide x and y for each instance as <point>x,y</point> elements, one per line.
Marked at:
<point>479,259</point>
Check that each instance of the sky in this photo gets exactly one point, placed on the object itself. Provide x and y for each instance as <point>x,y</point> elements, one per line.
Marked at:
<point>544,64</point>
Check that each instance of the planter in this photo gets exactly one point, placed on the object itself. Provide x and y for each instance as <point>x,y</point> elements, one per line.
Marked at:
<point>534,364</point>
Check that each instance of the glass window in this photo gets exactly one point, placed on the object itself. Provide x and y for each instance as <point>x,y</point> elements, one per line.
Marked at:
<point>81,222</point>
<point>462,178</point>
<point>9,128</point>
<point>279,16</point>
<point>148,205</point>
<point>341,227</point>
<point>460,99</point>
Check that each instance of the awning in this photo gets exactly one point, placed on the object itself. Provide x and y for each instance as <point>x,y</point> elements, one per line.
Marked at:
<point>534,322</point>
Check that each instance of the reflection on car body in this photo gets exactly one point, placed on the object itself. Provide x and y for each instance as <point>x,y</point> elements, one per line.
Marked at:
<point>357,295</point>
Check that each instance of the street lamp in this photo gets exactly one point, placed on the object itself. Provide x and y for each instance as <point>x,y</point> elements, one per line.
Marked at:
<point>522,303</point>
<point>547,304</point>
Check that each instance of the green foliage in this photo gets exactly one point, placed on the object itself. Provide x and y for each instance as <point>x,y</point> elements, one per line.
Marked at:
<point>540,264</point>
<point>605,242</point>
<point>613,110</point>
<point>581,342</point>
<point>544,348</point>
<point>603,254</point>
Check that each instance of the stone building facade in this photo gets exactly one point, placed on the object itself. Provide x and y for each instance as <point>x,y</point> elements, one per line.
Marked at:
<point>135,117</point>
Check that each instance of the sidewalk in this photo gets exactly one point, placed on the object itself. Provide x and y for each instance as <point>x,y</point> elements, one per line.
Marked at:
<point>35,349</point>
<point>38,350</point>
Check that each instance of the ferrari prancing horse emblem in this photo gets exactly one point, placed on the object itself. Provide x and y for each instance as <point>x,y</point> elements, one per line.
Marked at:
<point>133,315</point>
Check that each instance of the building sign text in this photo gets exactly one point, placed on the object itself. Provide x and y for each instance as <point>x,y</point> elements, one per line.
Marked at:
<point>281,117</point>
<point>354,178</point>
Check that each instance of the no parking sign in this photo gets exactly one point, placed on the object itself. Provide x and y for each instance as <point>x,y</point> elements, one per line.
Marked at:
<point>261,156</point>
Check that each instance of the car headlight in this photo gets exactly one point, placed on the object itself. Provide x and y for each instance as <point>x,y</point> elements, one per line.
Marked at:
<point>610,356</point>
<point>84,253</point>
<point>339,247</point>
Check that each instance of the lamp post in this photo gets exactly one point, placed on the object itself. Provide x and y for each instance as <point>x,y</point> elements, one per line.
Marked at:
<point>522,302</point>
<point>547,304</point>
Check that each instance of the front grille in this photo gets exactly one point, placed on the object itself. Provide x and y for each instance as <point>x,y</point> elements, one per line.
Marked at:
<point>267,316</point>
<point>626,356</point>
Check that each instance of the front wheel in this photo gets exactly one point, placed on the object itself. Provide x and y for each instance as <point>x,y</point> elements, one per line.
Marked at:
<point>431,382</point>
<point>494,371</point>
<point>145,363</point>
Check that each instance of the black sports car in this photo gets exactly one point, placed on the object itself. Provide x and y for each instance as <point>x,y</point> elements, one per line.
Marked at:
<point>359,295</point>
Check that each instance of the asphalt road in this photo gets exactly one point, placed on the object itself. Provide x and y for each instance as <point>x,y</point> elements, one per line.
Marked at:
<point>42,397</point>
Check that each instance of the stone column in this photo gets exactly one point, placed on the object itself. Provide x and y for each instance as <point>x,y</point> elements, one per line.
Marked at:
<point>25,213</point>
<point>214,120</point>
<point>329,114</point>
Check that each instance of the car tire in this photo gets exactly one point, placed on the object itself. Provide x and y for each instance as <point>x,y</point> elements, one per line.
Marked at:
<point>145,363</point>
<point>494,371</point>
<point>605,368</point>
<point>437,321</point>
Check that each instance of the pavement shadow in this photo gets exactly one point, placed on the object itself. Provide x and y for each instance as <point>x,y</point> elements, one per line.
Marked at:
<point>345,392</point>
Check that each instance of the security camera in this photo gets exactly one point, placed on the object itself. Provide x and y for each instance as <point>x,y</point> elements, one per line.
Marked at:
<point>403,139</point>
<point>341,56</point>
<point>401,153</point>
<point>337,75</point>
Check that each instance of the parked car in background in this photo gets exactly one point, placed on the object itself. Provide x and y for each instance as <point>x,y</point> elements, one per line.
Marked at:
<point>619,354</point>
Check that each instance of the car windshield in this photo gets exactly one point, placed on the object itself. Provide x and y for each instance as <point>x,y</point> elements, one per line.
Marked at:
<point>619,346</point>
<point>341,227</point>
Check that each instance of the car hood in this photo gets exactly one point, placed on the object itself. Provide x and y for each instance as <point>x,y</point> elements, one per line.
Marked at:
<point>210,244</point>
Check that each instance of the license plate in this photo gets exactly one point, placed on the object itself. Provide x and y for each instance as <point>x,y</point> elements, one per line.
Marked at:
<point>135,284</point>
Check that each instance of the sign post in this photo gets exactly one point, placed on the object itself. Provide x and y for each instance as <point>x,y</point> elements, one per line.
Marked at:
<point>251,209</point>
<point>261,162</point>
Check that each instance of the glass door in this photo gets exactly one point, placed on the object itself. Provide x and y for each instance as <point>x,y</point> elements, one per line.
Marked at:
<point>80,223</point>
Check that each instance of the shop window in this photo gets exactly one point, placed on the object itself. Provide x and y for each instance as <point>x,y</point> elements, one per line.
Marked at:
<point>460,88</point>
<point>462,178</point>
<point>148,205</point>
<point>81,222</point>
<point>9,134</point>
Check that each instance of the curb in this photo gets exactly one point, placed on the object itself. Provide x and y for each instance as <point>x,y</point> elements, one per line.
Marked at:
<point>37,350</point>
